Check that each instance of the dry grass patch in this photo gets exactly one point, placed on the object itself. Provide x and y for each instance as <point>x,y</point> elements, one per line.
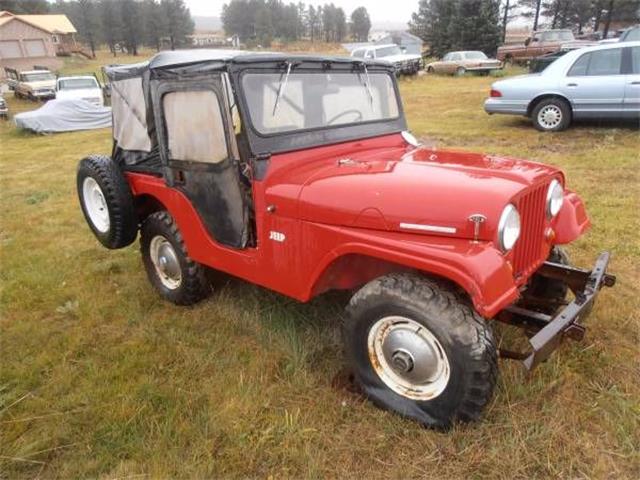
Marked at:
<point>100,378</point>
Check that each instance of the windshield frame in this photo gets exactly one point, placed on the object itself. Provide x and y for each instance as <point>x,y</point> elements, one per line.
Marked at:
<point>279,142</point>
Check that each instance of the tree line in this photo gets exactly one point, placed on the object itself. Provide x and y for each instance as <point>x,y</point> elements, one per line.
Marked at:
<point>123,25</point>
<point>577,14</point>
<point>447,25</point>
<point>259,22</point>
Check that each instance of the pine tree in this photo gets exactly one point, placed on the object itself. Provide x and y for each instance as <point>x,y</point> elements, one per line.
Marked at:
<point>360,24</point>
<point>458,25</point>
<point>178,24</point>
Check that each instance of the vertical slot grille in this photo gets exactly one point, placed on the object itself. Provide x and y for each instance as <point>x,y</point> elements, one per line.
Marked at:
<point>531,250</point>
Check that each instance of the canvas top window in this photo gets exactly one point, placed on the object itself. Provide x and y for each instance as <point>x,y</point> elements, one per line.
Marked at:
<point>318,100</point>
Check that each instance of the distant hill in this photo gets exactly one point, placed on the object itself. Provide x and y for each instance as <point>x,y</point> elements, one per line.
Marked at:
<point>207,24</point>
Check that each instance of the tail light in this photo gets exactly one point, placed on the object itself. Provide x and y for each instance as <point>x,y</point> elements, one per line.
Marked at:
<point>495,93</point>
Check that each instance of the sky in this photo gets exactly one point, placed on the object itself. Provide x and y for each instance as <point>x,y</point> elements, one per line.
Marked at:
<point>379,10</point>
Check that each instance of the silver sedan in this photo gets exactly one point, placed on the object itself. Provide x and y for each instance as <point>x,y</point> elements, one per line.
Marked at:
<point>593,82</point>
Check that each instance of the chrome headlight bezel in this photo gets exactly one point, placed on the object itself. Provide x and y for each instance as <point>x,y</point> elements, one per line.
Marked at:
<point>555,199</point>
<point>509,228</point>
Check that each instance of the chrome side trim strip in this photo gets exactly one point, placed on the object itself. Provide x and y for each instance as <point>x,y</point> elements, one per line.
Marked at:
<point>428,228</point>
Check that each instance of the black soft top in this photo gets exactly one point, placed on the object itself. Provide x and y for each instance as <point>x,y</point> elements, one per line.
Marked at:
<point>178,58</point>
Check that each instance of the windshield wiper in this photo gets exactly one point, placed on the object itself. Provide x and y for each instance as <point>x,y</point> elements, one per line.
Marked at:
<point>367,85</point>
<point>281,87</point>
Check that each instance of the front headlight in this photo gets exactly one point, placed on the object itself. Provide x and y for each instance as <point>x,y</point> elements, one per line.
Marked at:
<point>555,197</point>
<point>508,228</point>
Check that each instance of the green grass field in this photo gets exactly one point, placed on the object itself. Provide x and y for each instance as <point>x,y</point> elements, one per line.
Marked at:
<point>100,378</point>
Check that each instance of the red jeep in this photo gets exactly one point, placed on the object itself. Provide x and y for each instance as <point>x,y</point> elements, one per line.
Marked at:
<point>297,173</point>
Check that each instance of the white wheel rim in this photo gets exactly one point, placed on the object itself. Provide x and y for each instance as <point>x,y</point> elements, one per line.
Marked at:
<point>166,263</point>
<point>95,204</point>
<point>408,358</point>
<point>550,116</point>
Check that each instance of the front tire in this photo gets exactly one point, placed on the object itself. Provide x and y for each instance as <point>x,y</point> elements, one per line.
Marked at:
<point>460,71</point>
<point>176,276</point>
<point>420,350</point>
<point>551,115</point>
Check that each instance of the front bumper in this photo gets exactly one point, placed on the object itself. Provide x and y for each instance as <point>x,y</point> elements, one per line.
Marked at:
<point>550,330</point>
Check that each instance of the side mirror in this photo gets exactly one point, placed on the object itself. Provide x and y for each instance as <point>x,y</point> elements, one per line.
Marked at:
<point>403,49</point>
<point>527,42</point>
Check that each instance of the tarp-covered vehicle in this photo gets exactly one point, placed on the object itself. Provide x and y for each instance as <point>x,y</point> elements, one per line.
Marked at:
<point>57,116</point>
<point>297,173</point>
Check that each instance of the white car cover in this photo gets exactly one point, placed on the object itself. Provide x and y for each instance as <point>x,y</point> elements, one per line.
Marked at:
<point>64,116</point>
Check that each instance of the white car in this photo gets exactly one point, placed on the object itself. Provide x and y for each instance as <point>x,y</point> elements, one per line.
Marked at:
<point>84,88</point>
<point>405,63</point>
<point>593,82</point>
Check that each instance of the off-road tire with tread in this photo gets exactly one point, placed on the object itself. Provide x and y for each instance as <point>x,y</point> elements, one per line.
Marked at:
<point>464,335</point>
<point>123,221</point>
<point>194,285</point>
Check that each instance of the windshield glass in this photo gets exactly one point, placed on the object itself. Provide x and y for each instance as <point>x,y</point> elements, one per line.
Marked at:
<point>77,83</point>
<point>631,35</point>
<point>316,100</point>
<point>38,77</point>
<point>388,51</point>
<point>475,56</point>
<point>559,36</point>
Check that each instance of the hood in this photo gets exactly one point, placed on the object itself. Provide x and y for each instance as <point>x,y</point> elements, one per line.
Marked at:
<point>42,85</point>
<point>573,44</point>
<point>424,190</point>
<point>403,57</point>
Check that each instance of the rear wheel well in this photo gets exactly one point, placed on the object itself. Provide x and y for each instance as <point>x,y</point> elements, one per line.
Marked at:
<point>146,205</point>
<point>538,99</point>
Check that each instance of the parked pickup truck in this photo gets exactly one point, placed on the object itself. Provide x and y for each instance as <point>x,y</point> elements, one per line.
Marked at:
<point>85,87</point>
<point>541,43</point>
<point>32,84</point>
<point>404,63</point>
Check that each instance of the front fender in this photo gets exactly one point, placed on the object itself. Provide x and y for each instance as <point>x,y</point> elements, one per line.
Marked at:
<point>572,220</point>
<point>477,267</point>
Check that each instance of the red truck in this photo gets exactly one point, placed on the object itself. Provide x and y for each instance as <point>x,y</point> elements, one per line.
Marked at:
<point>541,43</point>
<point>297,173</point>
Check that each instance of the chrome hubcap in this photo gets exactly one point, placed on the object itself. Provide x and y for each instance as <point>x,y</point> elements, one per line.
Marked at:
<point>95,205</point>
<point>165,261</point>
<point>550,116</point>
<point>408,358</point>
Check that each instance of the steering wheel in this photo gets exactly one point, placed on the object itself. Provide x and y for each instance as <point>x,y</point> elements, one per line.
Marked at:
<point>347,112</point>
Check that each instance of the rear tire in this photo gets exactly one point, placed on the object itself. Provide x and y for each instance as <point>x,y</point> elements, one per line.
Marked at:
<point>106,201</point>
<point>420,350</point>
<point>551,115</point>
<point>175,275</point>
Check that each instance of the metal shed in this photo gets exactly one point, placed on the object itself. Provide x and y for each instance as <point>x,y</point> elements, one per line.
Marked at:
<point>410,42</point>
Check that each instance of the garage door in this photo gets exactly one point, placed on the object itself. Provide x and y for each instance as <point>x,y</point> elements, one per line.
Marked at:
<point>10,49</point>
<point>35,48</point>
